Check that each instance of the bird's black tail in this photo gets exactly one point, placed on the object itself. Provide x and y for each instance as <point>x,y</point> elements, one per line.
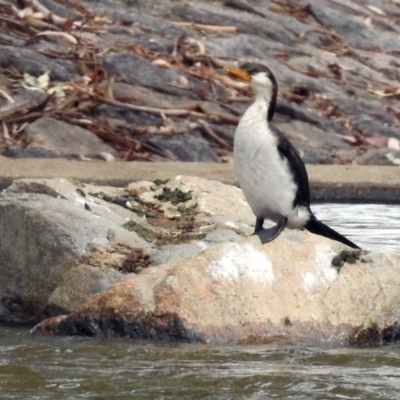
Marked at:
<point>319,228</point>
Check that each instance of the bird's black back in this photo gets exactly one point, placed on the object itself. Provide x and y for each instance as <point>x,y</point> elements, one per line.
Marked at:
<point>296,166</point>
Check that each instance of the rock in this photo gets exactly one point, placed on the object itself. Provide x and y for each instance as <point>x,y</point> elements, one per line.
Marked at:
<point>310,139</point>
<point>134,36</point>
<point>126,116</point>
<point>245,23</point>
<point>223,235</point>
<point>133,15</point>
<point>205,198</point>
<point>78,285</point>
<point>140,71</point>
<point>23,152</point>
<point>354,30</point>
<point>133,69</point>
<point>300,288</point>
<point>373,127</point>
<point>292,111</point>
<point>55,233</point>
<point>26,60</point>
<point>174,252</point>
<point>380,156</point>
<point>62,10</point>
<point>64,138</point>
<point>246,46</point>
<point>171,260</point>
<point>184,147</point>
<point>23,101</point>
<point>43,234</point>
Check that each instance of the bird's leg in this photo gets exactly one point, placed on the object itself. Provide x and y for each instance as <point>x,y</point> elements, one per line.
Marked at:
<point>267,235</point>
<point>259,225</point>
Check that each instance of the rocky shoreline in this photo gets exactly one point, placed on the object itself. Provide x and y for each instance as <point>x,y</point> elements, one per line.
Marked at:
<point>128,81</point>
<point>173,260</point>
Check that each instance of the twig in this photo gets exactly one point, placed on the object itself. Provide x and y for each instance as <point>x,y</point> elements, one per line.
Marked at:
<point>25,117</point>
<point>109,135</point>
<point>6,132</point>
<point>210,132</point>
<point>55,19</point>
<point>67,36</point>
<point>166,111</point>
<point>6,96</point>
<point>212,28</point>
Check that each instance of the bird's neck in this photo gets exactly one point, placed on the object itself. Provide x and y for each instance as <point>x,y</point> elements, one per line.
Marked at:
<point>267,95</point>
<point>263,106</point>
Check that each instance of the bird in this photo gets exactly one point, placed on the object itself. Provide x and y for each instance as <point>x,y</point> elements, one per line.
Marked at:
<point>270,171</point>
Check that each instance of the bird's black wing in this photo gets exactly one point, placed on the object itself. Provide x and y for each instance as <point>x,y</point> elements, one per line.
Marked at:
<point>297,168</point>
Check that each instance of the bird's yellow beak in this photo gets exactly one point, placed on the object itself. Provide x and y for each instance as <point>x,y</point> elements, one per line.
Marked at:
<point>238,73</point>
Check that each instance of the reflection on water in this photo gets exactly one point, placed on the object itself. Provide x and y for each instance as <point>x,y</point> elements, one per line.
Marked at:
<point>71,368</point>
<point>374,227</point>
<point>82,368</point>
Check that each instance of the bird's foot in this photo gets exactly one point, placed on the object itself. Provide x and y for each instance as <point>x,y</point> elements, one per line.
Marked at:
<point>267,235</point>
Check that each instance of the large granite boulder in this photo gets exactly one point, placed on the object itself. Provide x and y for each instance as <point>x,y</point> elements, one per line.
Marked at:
<point>173,260</point>
<point>300,288</point>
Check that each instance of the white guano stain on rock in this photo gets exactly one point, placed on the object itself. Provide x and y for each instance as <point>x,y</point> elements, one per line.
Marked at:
<point>79,200</point>
<point>323,273</point>
<point>203,245</point>
<point>242,260</point>
<point>309,280</point>
<point>172,282</point>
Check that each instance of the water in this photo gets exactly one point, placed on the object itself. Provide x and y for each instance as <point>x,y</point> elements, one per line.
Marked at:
<point>76,368</point>
<point>374,227</point>
<point>82,368</point>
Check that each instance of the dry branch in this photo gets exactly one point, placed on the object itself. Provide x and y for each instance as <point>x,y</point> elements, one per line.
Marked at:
<point>211,28</point>
<point>166,111</point>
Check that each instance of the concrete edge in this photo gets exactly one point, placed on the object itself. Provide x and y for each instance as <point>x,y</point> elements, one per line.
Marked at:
<point>329,183</point>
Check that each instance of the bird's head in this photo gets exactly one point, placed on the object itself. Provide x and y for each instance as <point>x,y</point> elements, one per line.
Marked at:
<point>261,80</point>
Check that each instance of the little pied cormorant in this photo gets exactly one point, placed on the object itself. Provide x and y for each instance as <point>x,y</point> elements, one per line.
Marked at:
<point>270,171</point>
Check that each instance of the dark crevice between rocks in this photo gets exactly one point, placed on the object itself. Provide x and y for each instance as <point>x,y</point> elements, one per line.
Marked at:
<point>374,335</point>
<point>167,327</point>
<point>18,311</point>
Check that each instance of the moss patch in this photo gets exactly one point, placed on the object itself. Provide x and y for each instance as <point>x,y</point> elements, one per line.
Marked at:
<point>76,182</point>
<point>160,229</point>
<point>160,182</point>
<point>191,210</point>
<point>346,256</point>
<point>135,261</point>
<point>142,231</point>
<point>175,196</point>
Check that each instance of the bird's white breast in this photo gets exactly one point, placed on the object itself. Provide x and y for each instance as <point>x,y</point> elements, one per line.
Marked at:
<point>263,174</point>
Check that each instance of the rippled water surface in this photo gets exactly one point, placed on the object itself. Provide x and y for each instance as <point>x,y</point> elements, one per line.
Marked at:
<point>81,368</point>
<point>374,227</point>
<point>71,368</point>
